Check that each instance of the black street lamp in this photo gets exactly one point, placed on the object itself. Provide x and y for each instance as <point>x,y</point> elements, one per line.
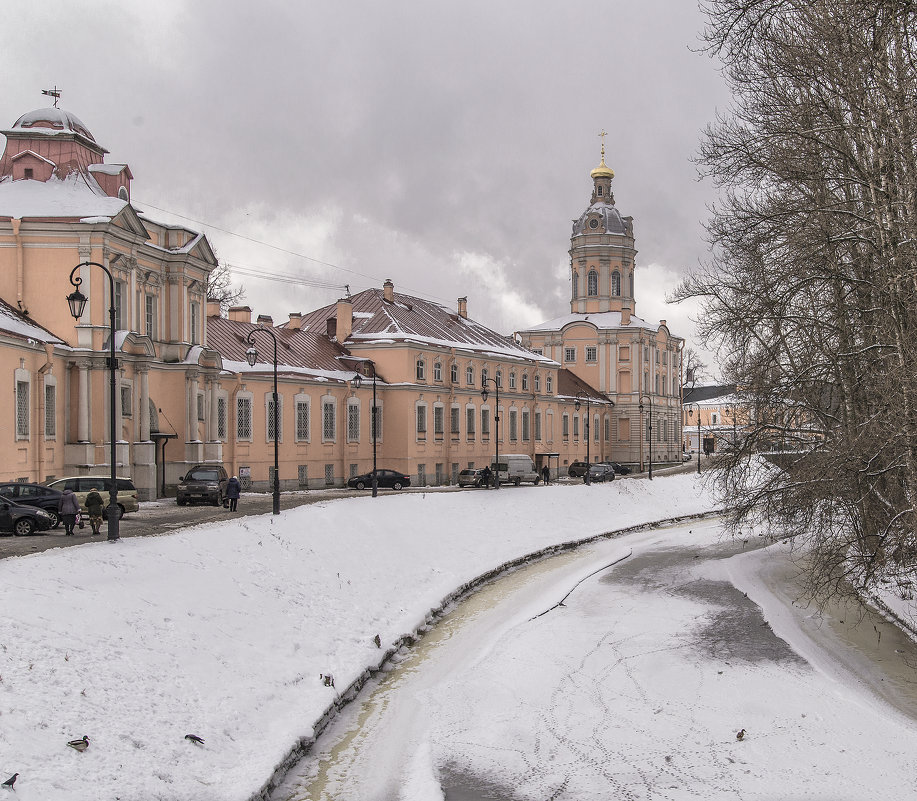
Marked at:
<point>650,399</point>
<point>587,479</point>
<point>357,381</point>
<point>484,381</point>
<point>77,301</point>
<point>251,356</point>
<point>691,414</point>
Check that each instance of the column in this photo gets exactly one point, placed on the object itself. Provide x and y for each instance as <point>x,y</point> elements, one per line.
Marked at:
<point>144,411</point>
<point>213,420</point>
<point>192,408</point>
<point>83,416</point>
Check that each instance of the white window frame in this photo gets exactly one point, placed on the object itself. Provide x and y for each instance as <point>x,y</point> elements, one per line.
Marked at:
<point>244,427</point>
<point>22,411</point>
<point>420,420</point>
<point>469,376</point>
<point>303,419</point>
<point>50,421</point>
<point>329,431</point>
<point>353,420</point>
<point>592,353</point>
<point>569,353</point>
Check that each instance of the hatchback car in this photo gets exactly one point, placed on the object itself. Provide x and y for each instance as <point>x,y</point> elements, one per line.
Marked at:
<point>33,495</point>
<point>620,469</point>
<point>82,485</point>
<point>390,479</point>
<point>23,520</point>
<point>471,477</point>
<point>203,482</point>
<point>577,469</point>
<point>601,472</point>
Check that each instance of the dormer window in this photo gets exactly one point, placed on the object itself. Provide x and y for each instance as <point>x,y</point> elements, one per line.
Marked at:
<point>122,193</point>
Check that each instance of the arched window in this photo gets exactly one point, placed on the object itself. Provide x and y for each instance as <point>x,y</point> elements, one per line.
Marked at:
<point>575,284</point>
<point>499,376</point>
<point>512,380</point>
<point>483,376</point>
<point>592,283</point>
<point>616,283</point>
<point>421,370</point>
<point>469,376</point>
<point>453,374</point>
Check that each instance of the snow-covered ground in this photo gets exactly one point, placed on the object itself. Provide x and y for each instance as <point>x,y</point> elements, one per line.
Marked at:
<point>223,630</point>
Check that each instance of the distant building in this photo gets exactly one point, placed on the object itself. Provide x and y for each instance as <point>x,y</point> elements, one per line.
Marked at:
<point>629,360</point>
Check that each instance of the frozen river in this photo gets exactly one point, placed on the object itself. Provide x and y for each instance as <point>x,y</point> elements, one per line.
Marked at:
<point>666,645</point>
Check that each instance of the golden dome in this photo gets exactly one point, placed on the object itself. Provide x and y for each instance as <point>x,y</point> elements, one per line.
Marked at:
<point>603,170</point>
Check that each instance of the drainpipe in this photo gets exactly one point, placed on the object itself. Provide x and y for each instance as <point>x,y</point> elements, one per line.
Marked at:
<point>39,428</point>
<point>19,262</point>
<point>231,440</point>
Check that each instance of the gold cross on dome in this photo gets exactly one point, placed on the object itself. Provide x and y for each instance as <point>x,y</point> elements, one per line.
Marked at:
<point>603,134</point>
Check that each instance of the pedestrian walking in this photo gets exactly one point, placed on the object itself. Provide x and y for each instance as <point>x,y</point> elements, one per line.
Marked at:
<point>546,474</point>
<point>94,508</point>
<point>68,507</point>
<point>486,475</point>
<point>233,491</point>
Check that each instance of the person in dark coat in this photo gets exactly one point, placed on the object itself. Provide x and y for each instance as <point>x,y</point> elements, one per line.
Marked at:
<point>487,476</point>
<point>94,505</point>
<point>68,507</point>
<point>546,474</point>
<point>233,491</point>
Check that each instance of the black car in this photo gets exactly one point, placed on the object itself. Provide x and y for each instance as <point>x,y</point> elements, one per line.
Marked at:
<point>203,482</point>
<point>23,520</point>
<point>577,469</point>
<point>33,495</point>
<point>391,479</point>
<point>620,469</point>
<point>601,472</point>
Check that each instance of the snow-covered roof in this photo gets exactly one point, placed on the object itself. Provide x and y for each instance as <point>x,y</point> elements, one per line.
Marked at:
<point>601,320</point>
<point>108,169</point>
<point>76,196</point>
<point>15,323</point>
<point>58,122</point>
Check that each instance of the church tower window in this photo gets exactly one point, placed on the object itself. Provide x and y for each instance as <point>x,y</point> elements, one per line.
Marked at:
<point>616,283</point>
<point>575,284</point>
<point>592,283</point>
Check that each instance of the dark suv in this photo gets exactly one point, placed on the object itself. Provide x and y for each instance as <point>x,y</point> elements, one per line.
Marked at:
<point>33,495</point>
<point>577,469</point>
<point>203,482</point>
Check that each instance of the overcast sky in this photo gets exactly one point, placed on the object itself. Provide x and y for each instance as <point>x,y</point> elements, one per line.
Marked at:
<point>446,146</point>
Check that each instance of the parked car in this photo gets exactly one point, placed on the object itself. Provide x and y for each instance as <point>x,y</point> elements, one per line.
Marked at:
<point>81,486</point>
<point>33,495</point>
<point>601,472</point>
<point>23,520</point>
<point>203,482</point>
<point>620,469</point>
<point>515,468</point>
<point>577,469</point>
<point>472,477</point>
<point>388,479</point>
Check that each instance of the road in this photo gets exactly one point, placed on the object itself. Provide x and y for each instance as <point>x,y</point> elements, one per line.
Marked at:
<point>635,687</point>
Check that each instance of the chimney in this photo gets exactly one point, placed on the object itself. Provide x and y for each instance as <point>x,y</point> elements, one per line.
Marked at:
<point>331,328</point>
<point>295,320</point>
<point>344,319</point>
<point>265,319</point>
<point>463,308</point>
<point>625,314</point>
<point>213,307</point>
<point>662,323</point>
<point>240,314</point>
<point>388,290</point>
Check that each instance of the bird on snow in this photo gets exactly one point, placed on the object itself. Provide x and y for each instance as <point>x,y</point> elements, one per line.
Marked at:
<point>327,679</point>
<point>80,745</point>
<point>10,781</point>
<point>194,739</point>
<point>740,734</point>
<point>378,641</point>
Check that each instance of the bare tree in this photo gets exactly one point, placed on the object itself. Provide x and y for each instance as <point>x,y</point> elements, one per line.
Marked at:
<point>811,289</point>
<point>220,287</point>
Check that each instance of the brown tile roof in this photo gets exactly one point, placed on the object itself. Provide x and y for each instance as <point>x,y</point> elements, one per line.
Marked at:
<point>571,385</point>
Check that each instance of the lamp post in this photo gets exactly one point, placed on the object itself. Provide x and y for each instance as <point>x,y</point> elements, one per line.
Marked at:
<point>251,356</point>
<point>650,399</point>
<point>484,393</point>
<point>77,302</point>
<point>691,414</point>
<point>357,381</point>
<point>587,479</point>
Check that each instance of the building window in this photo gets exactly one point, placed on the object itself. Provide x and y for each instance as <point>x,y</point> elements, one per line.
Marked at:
<point>607,428</point>
<point>714,419</point>
<point>437,371</point>
<point>469,376</point>
<point>200,403</point>
<point>569,354</point>
<point>50,411</point>
<point>484,375</point>
<point>549,384</point>
<point>243,418</point>
<point>455,472</point>
<point>150,316</point>
<point>195,322</point>
<point>453,374</point>
<point>525,426</point>
<point>525,382</point>
<point>499,378</point>
<point>302,476</point>
<point>376,432</point>
<point>512,425</point>
<point>120,293</point>
<point>438,475</point>
<point>329,422</point>
<point>221,419</point>
<point>616,283</point>
<point>576,426</point>
<point>657,384</point>
<point>421,475</point>
<point>353,422</point>
<point>591,353</point>
<point>485,422</point>
<point>595,428</point>
<point>421,421</point>
<point>454,414</point>
<point>592,283</point>
<point>512,380</point>
<point>538,426</point>
<point>624,354</point>
<point>421,370</point>
<point>575,284</point>
<point>565,426</point>
<point>329,475</point>
<point>354,469</point>
<point>537,383</point>
<point>302,420</point>
<point>438,422</point>
<point>469,422</point>
<point>126,402</point>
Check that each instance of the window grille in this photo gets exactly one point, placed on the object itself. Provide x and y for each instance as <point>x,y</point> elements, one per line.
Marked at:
<point>525,426</point>
<point>221,418</point>
<point>616,283</point>
<point>438,421</point>
<point>537,383</point>
<point>485,422</point>
<point>438,474</point>
<point>538,426</point>
<point>565,426</point>
<point>592,283</point>
<point>512,425</point>
<point>454,422</point>
<point>421,475</point>
<point>50,411</point>
<point>421,419</point>
<point>302,420</point>
<point>329,475</point>
<point>469,423</point>
<point>243,418</point>
<point>329,423</point>
<point>273,420</point>
<point>302,476</point>
<point>353,422</point>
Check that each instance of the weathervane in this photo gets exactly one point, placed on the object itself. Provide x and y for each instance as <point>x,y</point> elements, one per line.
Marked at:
<point>55,93</point>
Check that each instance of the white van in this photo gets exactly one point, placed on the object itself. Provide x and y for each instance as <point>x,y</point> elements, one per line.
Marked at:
<point>516,468</point>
